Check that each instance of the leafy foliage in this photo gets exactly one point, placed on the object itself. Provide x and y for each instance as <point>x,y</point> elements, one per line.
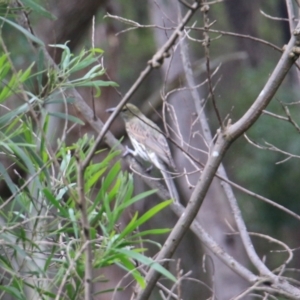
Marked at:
<point>41,222</point>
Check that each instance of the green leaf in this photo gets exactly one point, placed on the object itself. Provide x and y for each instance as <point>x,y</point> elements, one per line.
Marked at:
<point>112,290</point>
<point>24,31</point>
<point>4,66</point>
<point>137,198</point>
<point>132,225</point>
<point>96,51</point>
<point>25,159</point>
<point>129,266</point>
<point>55,202</point>
<point>50,100</point>
<point>41,70</point>
<point>111,221</point>
<point>38,9</point>
<point>151,231</point>
<point>66,57</point>
<point>93,178</point>
<point>83,64</point>
<point>111,176</point>
<point>97,83</point>
<point>12,291</point>
<point>66,117</point>
<point>93,72</point>
<point>153,211</point>
<point>24,75</point>
<point>148,262</point>
<point>74,223</point>
<point>6,119</point>
<point>66,159</point>
<point>12,187</point>
<point>145,217</point>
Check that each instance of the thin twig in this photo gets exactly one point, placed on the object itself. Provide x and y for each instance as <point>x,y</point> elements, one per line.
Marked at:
<point>273,18</point>
<point>156,61</point>
<point>222,143</point>
<point>81,203</point>
<point>291,14</point>
<point>243,36</point>
<point>265,112</point>
<point>257,196</point>
<point>206,44</point>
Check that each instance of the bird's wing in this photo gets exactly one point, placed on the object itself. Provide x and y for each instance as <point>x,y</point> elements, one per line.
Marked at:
<point>165,153</point>
<point>154,141</point>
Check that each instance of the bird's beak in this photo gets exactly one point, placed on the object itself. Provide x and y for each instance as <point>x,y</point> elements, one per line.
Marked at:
<point>110,110</point>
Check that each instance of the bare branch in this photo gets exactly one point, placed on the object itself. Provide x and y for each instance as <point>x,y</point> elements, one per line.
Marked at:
<point>223,142</point>
<point>273,18</point>
<point>285,63</point>
<point>259,197</point>
<point>206,45</point>
<point>270,147</point>
<point>291,14</point>
<point>239,36</point>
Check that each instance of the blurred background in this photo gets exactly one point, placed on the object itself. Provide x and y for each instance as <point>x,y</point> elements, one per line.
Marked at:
<point>244,66</point>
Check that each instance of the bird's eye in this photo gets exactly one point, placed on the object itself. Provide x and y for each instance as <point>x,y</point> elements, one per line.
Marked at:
<point>124,108</point>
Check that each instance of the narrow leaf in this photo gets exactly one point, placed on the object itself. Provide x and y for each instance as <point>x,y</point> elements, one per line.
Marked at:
<point>24,31</point>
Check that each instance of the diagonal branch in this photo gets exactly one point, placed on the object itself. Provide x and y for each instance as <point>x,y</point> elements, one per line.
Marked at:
<point>156,61</point>
<point>223,142</point>
<point>224,139</point>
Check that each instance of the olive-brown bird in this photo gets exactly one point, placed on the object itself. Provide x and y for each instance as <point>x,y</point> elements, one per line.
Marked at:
<point>149,143</point>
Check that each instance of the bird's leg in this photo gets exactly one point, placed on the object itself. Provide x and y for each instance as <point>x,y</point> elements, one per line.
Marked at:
<point>129,151</point>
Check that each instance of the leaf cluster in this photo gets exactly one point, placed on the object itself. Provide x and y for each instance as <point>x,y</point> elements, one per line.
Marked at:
<point>41,225</point>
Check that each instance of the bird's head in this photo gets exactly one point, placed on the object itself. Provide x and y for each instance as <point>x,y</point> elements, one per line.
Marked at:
<point>128,111</point>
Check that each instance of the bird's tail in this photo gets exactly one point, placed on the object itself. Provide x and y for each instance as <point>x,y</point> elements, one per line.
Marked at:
<point>169,182</point>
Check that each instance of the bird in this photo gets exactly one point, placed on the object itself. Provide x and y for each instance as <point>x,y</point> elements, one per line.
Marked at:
<point>149,143</point>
